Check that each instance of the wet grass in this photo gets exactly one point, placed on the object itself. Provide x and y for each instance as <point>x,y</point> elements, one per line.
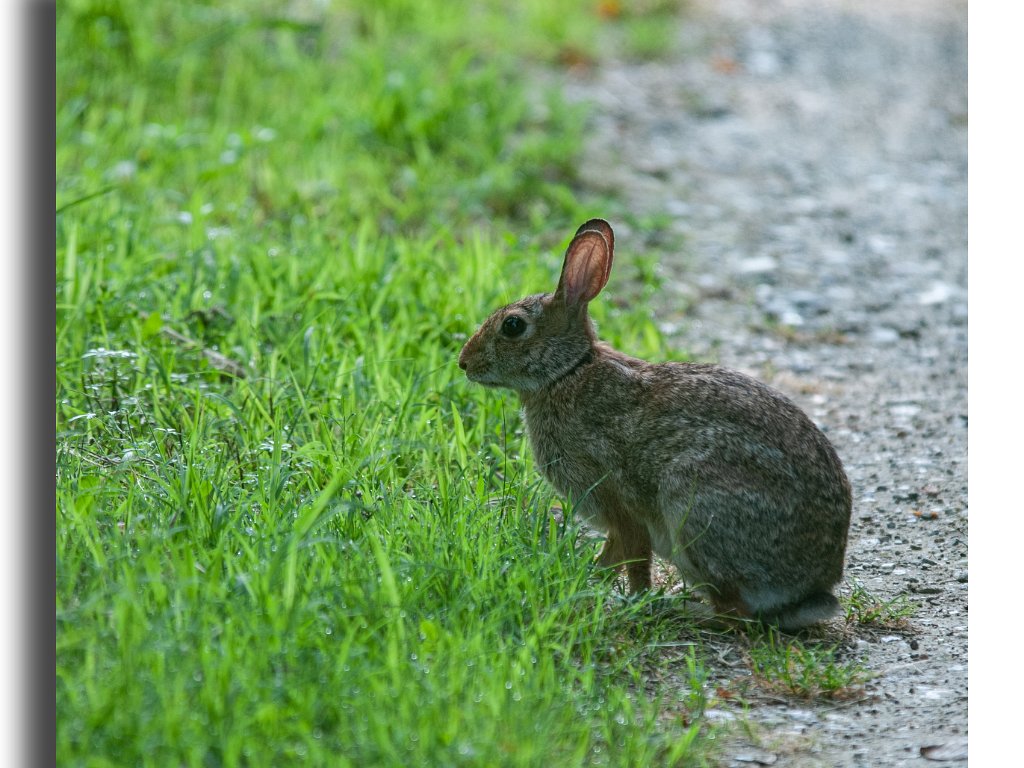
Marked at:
<point>288,530</point>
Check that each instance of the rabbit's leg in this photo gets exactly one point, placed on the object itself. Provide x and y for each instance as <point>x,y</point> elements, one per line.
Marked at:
<point>629,543</point>
<point>611,552</point>
<point>638,563</point>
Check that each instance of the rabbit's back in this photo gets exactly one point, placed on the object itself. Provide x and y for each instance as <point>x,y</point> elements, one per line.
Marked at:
<point>641,420</point>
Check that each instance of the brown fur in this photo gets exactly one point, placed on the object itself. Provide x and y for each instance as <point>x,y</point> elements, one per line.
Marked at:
<point>712,470</point>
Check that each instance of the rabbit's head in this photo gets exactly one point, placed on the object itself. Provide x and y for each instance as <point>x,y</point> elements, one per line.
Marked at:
<point>533,342</point>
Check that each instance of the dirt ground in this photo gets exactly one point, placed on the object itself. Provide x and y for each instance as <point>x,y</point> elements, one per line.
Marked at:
<point>812,159</point>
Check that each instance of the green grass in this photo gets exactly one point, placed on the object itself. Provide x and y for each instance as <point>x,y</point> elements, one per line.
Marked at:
<point>804,669</point>
<point>862,607</point>
<point>288,529</point>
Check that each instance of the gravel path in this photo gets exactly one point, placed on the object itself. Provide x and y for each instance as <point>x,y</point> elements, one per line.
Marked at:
<point>813,157</point>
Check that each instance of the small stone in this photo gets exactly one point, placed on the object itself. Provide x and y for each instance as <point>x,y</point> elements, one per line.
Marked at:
<point>884,335</point>
<point>677,207</point>
<point>791,317</point>
<point>757,265</point>
<point>937,294</point>
<point>881,244</point>
<point>758,757</point>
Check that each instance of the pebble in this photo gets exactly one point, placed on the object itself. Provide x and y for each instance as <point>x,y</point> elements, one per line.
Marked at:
<point>756,265</point>
<point>936,294</point>
<point>883,335</point>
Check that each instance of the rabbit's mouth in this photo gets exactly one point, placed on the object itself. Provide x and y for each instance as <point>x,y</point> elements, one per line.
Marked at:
<point>476,373</point>
<point>482,377</point>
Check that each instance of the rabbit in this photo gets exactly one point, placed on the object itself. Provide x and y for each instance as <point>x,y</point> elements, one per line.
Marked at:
<point>710,469</point>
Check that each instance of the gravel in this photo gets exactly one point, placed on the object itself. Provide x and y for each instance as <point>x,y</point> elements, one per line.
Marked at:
<point>811,157</point>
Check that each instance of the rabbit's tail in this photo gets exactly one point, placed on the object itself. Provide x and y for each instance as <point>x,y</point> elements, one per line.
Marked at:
<point>811,609</point>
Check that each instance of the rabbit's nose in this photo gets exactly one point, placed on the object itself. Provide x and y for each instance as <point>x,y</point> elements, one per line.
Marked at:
<point>462,355</point>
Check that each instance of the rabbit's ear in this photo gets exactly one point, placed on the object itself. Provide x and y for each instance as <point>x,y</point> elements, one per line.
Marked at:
<point>602,226</point>
<point>588,263</point>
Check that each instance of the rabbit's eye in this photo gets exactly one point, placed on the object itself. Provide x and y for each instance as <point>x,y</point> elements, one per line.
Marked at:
<point>513,326</point>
